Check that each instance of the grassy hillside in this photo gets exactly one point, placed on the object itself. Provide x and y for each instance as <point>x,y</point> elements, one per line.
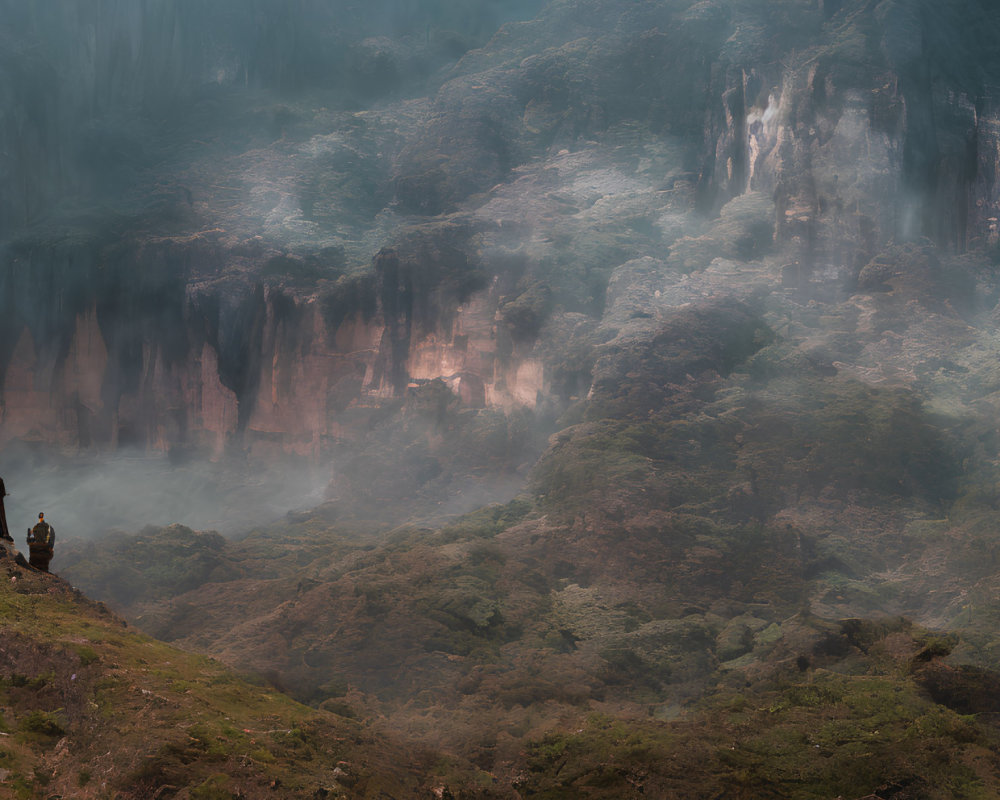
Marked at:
<point>92,709</point>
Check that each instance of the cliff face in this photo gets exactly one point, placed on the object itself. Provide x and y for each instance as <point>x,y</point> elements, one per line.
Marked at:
<point>157,356</point>
<point>259,274</point>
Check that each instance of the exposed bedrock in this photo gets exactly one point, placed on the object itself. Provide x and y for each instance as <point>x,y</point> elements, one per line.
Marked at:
<point>295,260</point>
<point>157,344</point>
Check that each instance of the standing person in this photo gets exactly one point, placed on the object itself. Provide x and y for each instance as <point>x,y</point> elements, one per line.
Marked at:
<point>4,531</point>
<point>41,541</point>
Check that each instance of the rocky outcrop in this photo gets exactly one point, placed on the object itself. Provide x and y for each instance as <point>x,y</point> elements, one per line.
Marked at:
<point>153,345</point>
<point>283,268</point>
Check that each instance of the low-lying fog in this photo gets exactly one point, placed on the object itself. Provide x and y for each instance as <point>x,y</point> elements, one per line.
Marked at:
<point>88,496</point>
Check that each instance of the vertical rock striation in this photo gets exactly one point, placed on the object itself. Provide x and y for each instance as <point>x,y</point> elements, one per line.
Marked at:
<point>141,301</point>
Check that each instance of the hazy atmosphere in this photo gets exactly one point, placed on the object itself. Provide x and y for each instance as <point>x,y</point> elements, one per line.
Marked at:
<point>482,399</point>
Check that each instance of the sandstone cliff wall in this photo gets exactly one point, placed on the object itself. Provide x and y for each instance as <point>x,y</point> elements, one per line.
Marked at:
<point>238,364</point>
<point>806,135</point>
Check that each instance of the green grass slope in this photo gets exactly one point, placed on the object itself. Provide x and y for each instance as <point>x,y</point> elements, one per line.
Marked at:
<point>92,709</point>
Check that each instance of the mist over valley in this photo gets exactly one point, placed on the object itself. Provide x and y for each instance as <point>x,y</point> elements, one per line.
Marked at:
<point>551,399</point>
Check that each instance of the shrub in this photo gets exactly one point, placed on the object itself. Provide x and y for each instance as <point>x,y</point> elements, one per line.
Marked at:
<point>42,724</point>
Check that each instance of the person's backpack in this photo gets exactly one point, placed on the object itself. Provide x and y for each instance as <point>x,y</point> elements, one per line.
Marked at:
<point>43,534</point>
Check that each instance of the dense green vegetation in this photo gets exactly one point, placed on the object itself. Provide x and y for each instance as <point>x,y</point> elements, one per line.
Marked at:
<point>92,709</point>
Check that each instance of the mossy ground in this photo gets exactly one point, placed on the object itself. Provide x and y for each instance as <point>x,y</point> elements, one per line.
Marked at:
<point>93,709</point>
<point>824,736</point>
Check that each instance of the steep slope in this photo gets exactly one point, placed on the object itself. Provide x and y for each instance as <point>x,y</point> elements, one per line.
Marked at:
<point>285,262</point>
<point>93,709</point>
